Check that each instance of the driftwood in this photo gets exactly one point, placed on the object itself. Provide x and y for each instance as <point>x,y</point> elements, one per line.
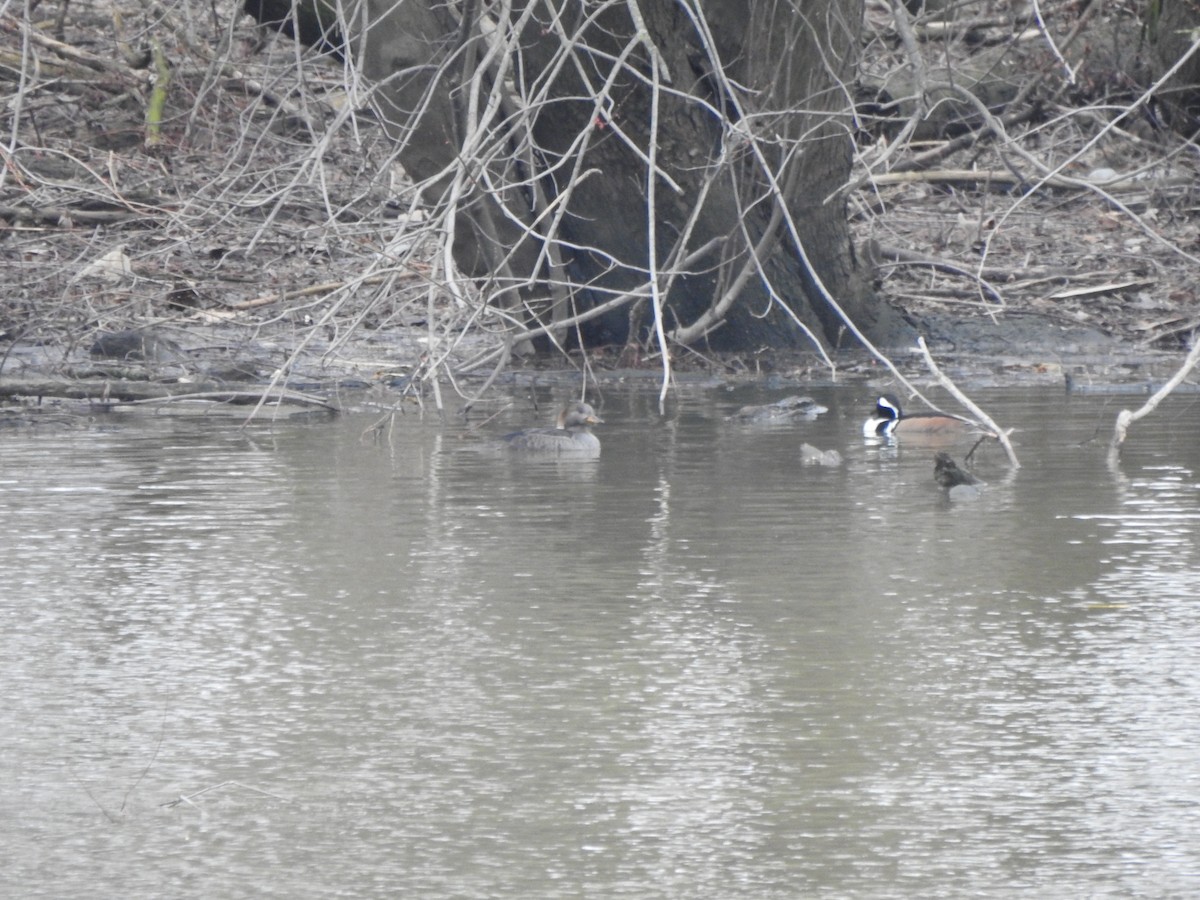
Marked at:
<point>118,391</point>
<point>61,216</point>
<point>1007,178</point>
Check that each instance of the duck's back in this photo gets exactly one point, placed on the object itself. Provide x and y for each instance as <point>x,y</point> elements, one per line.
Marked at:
<point>552,440</point>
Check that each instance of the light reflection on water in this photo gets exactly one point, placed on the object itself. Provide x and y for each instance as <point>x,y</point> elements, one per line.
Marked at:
<point>690,668</point>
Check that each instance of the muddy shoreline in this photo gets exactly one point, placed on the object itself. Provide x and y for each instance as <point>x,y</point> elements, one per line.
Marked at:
<point>254,369</point>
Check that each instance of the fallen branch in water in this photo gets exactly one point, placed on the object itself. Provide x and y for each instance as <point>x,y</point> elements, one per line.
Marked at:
<point>171,804</point>
<point>1125,418</point>
<point>980,415</point>
<point>142,392</point>
<point>244,398</point>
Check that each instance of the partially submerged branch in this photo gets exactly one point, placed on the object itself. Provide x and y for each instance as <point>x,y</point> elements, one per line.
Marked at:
<point>1125,417</point>
<point>968,403</point>
<point>130,393</point>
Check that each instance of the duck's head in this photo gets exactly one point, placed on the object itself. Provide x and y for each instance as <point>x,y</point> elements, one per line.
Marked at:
<point>886,417</point>
<point>887,406</point>
<point>578,415</point>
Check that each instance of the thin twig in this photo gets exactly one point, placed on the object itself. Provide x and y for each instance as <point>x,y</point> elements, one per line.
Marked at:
<point>656,298</point>
<point>162,733</point>
<point>216,787</point>
<point>1068,75</point>
<point>643,37</point>
<point>913,51</point>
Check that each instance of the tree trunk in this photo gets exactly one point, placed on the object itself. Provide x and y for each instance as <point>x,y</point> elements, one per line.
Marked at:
<point>535,126</point>
<point>1172,31</point>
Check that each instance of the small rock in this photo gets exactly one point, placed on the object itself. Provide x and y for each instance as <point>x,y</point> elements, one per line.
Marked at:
<point>132,344</point>
<point>812,456</point>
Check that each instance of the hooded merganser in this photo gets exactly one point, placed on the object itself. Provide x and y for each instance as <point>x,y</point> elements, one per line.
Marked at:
<point>573,433</point>
<point>789,409</point>
<point>889,420</point>
<point>947,473</point>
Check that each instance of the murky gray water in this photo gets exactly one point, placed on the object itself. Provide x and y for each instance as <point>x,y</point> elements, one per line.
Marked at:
<point>690,669</point>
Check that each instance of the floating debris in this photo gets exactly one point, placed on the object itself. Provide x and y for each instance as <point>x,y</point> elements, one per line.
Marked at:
<point>789,409</point>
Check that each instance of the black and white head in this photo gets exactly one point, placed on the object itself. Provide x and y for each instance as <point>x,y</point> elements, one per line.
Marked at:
<point>887,415</point>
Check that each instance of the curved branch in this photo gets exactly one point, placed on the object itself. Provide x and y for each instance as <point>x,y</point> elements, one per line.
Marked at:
<point>1125,418</point>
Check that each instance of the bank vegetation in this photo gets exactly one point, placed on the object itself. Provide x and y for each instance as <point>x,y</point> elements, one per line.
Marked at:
<point>610,184</point>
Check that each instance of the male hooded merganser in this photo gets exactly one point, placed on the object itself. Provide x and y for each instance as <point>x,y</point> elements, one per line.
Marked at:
<point>889,420</point>
<point>573,434</point>
<point>947,473</point>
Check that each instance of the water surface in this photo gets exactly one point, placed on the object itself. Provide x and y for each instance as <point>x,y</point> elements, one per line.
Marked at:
<point>297,660</point>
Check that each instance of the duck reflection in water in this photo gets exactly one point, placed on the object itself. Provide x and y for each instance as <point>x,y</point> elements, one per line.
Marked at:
<point>573,434</point>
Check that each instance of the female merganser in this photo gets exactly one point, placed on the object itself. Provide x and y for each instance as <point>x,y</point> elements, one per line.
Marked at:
<point>573,433</point>
<point>947,473</point>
